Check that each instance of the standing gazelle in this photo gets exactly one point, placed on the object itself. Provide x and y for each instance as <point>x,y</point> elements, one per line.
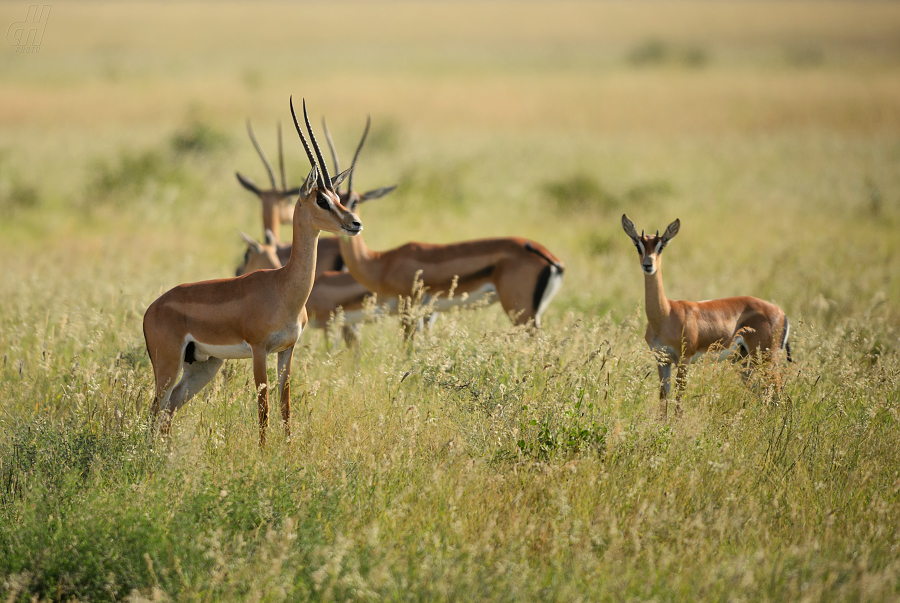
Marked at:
<point>523,275</point>
<point>681,332</point>
<point>193,327</point>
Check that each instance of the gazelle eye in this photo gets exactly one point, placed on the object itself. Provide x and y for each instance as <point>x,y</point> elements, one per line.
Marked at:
<point>321,201</point>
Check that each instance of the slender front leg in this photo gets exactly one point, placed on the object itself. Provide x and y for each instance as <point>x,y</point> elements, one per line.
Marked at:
<point>284,379</point>
<point>680,381</point>
<point>665,384</point>
<point>262,391</point>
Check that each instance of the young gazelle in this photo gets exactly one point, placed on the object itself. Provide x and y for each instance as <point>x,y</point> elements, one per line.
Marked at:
<point>276,210</point>
<point>523,275</point>
<point>193,327</point>
<point>681,332</point>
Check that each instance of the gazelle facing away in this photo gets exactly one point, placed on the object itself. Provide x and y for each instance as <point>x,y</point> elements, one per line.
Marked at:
<point>193,327</point>
<point>276,210</point>
<point>523,275</point>
<point>681,332</point>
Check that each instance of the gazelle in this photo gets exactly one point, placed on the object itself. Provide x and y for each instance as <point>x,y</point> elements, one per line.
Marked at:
<point>681,332</point>
<point>331,291</point>
<point>523,275</point>
<point>193,327</point>
<point>276,210</point>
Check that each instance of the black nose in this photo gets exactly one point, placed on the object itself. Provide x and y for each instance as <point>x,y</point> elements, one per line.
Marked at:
<point>356,224</point>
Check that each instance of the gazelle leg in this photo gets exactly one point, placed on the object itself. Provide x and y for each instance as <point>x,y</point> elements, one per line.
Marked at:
<point>165,371</point>
<point>680,381</point>
<point>194,378</point>
<point>284,381</point>
<point>262,391</point>
<point>351,335</point>
<point>665,385</point>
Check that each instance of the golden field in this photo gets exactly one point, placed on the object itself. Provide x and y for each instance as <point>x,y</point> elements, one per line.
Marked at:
<point>484,463</point>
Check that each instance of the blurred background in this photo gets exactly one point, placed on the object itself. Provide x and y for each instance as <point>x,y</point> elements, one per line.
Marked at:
<point>771,129</point>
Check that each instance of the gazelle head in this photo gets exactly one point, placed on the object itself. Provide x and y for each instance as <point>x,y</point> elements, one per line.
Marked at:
<point>259,256</point>
<point>319,204</point>
<point>351,198</point>
<point>276,208</point>
<point>650,247</point>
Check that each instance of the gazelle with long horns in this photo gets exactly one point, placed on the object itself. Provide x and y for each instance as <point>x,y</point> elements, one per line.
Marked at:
<point>681,332</point>
<point>193,327</point>
<point>277,210</point>
<point>522,275</point>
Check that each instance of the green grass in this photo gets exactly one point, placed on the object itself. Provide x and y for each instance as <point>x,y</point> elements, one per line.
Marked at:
<point>485,463</point>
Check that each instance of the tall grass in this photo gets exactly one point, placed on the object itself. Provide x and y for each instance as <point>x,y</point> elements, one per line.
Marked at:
<point>484,462</point>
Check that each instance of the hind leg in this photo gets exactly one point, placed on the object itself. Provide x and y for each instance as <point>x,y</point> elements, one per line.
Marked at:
<point>165,371</point>
<point>195,377</point>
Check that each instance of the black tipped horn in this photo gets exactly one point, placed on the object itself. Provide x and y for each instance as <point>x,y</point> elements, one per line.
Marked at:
<point>325,177</point>
<point>281,158</point>
<point>358,149</point>
<point>262,155</point>
<point>334,157</point>
<point>309,153</point>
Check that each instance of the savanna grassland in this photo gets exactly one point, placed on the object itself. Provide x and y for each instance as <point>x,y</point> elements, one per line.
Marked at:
<point>486,463</point>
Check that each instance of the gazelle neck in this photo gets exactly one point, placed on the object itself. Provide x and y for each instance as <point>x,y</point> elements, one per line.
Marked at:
<point>655,301</point>
<point>272,219</point>
<point>298,274</point>
<point>359,259</point>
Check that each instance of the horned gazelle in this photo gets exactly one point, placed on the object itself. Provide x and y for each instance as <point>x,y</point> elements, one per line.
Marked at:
<point>276,210</point>
<point>193,327</point>
<point>523,275</point>
<point>681,332</point>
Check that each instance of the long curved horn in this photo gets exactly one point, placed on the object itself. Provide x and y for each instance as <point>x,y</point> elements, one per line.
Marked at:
<point>309,153</point>
<point>334,157</point>
<point>281,158</point>
<point>323,167</point>
<point>358,149</point>
<point>262,155</point>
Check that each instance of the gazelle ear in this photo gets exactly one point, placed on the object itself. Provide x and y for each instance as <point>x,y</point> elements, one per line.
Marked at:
<point>378,193</point>
<point>310,181</point>
<point>671,231</point>
<point>628,227</point>
<point>337,180</point>
<point>270,237</point>
<point>247,183</point>
<point>250,241</point>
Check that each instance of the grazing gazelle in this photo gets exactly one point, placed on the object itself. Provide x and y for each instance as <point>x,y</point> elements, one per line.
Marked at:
<point>681,332</point>
<point>276,210</point>
<point>523,275</point>
<point>193,327</point>
<point>331,291</point>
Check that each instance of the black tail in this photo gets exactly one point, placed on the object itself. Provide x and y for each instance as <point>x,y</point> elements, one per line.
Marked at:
<point>784,341</point>
<point>544,277</point>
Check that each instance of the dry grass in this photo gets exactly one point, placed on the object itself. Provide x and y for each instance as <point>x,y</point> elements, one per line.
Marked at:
<point>485,464</point>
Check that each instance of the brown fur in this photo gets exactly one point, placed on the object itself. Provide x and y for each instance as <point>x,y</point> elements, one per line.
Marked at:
<point>263,310</point>
<point>679,330</point>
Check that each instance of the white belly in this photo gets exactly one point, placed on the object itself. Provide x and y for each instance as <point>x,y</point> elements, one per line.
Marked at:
<point>720,354</point>
<point>487,293</point>
<point>203,351</point>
